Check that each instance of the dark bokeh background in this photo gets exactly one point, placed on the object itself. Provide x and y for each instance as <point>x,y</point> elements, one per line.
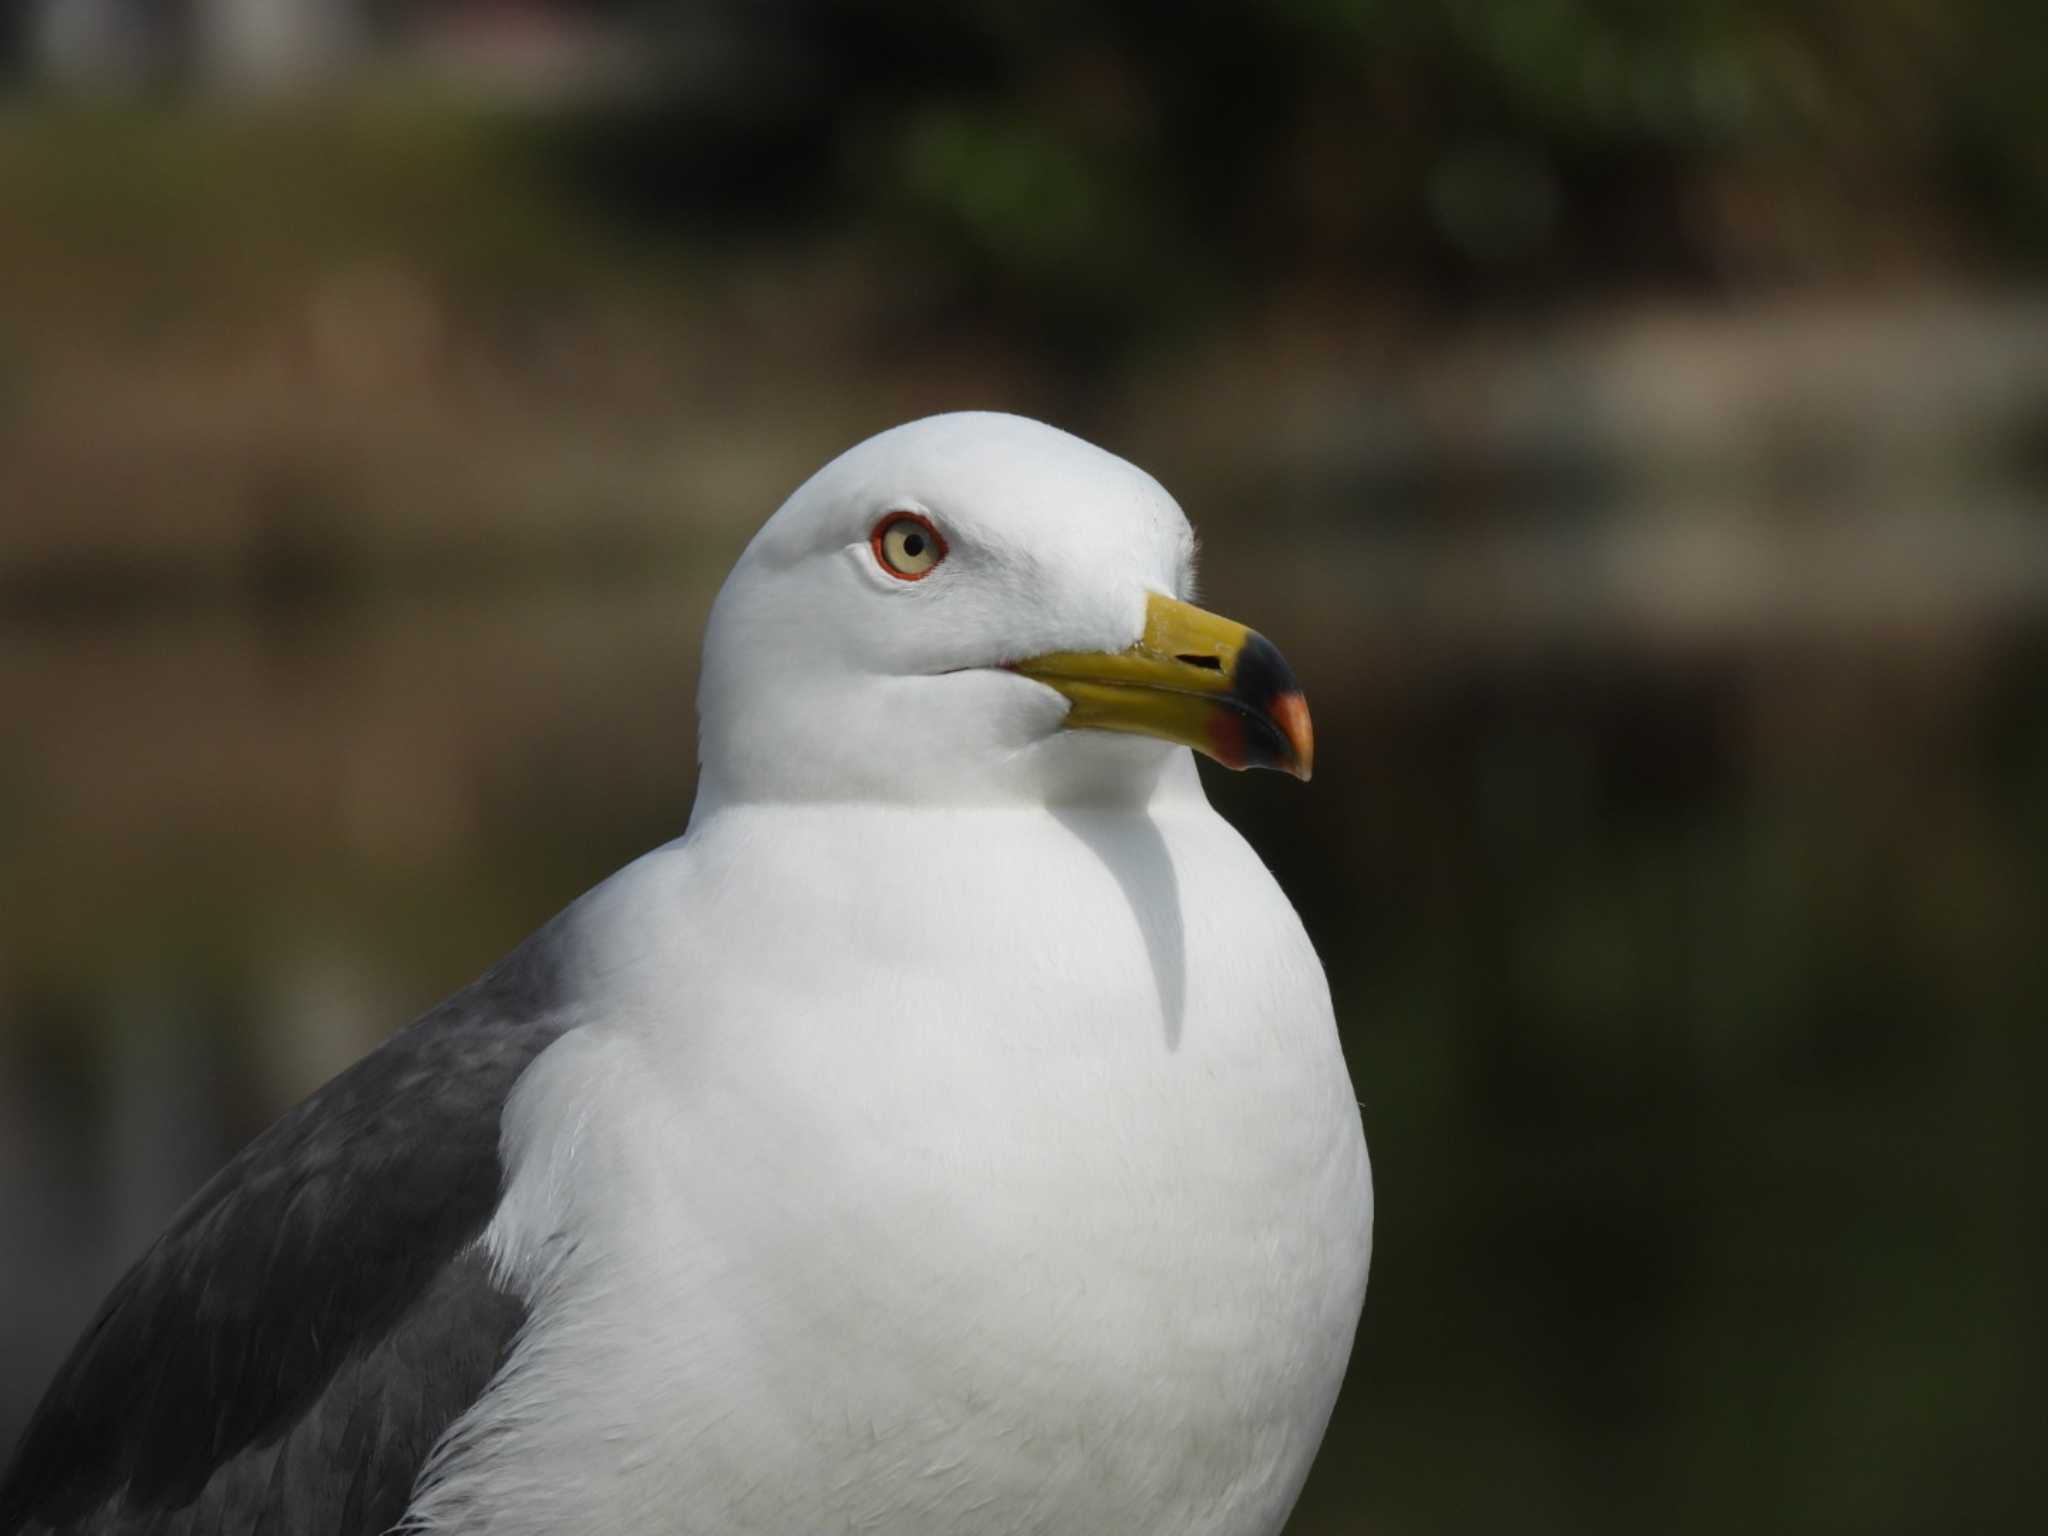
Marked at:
<point>1632,419</point>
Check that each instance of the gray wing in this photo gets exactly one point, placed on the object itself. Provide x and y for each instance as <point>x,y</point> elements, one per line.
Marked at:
<point>285,1356</point>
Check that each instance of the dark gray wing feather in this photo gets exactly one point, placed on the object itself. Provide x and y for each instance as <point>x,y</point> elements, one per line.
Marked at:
<point>285,1356</point>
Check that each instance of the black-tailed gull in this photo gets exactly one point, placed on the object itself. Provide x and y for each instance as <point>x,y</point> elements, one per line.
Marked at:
<point>946,1134</point>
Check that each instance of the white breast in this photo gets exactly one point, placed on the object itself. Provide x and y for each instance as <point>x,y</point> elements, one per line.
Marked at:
<point>967,1171</point>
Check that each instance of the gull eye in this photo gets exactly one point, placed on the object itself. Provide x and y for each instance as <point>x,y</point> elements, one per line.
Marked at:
<point>907,546</point>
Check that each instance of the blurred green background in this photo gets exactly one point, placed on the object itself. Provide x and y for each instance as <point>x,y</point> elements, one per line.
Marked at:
<point>1632,419</point>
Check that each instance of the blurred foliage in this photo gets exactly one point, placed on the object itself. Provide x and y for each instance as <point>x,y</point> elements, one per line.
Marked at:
<point>220,211</point>
<point>1133,163</point>
<point>1098,173</point>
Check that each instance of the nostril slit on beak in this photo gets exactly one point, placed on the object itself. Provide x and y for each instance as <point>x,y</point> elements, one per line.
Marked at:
<point>1213,663</point>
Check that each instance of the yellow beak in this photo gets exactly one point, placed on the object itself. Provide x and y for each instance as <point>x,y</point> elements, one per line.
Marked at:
<point>1193,678</point>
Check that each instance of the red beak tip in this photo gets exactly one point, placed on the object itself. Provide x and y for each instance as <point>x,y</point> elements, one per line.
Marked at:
<point>1290,713</point>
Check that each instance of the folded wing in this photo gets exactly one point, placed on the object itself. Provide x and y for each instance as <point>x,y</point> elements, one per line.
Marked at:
<point>286,1355</point>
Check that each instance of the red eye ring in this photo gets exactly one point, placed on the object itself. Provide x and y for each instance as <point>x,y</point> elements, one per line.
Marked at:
<point>878,541</point>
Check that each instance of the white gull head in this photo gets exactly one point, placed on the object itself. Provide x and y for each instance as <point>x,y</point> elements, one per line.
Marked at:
<point>867,645</point>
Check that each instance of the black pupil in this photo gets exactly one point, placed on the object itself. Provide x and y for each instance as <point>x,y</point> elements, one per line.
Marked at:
<point>913,544</point>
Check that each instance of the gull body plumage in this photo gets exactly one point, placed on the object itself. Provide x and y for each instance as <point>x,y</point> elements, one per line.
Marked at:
<point>896,1233</point>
